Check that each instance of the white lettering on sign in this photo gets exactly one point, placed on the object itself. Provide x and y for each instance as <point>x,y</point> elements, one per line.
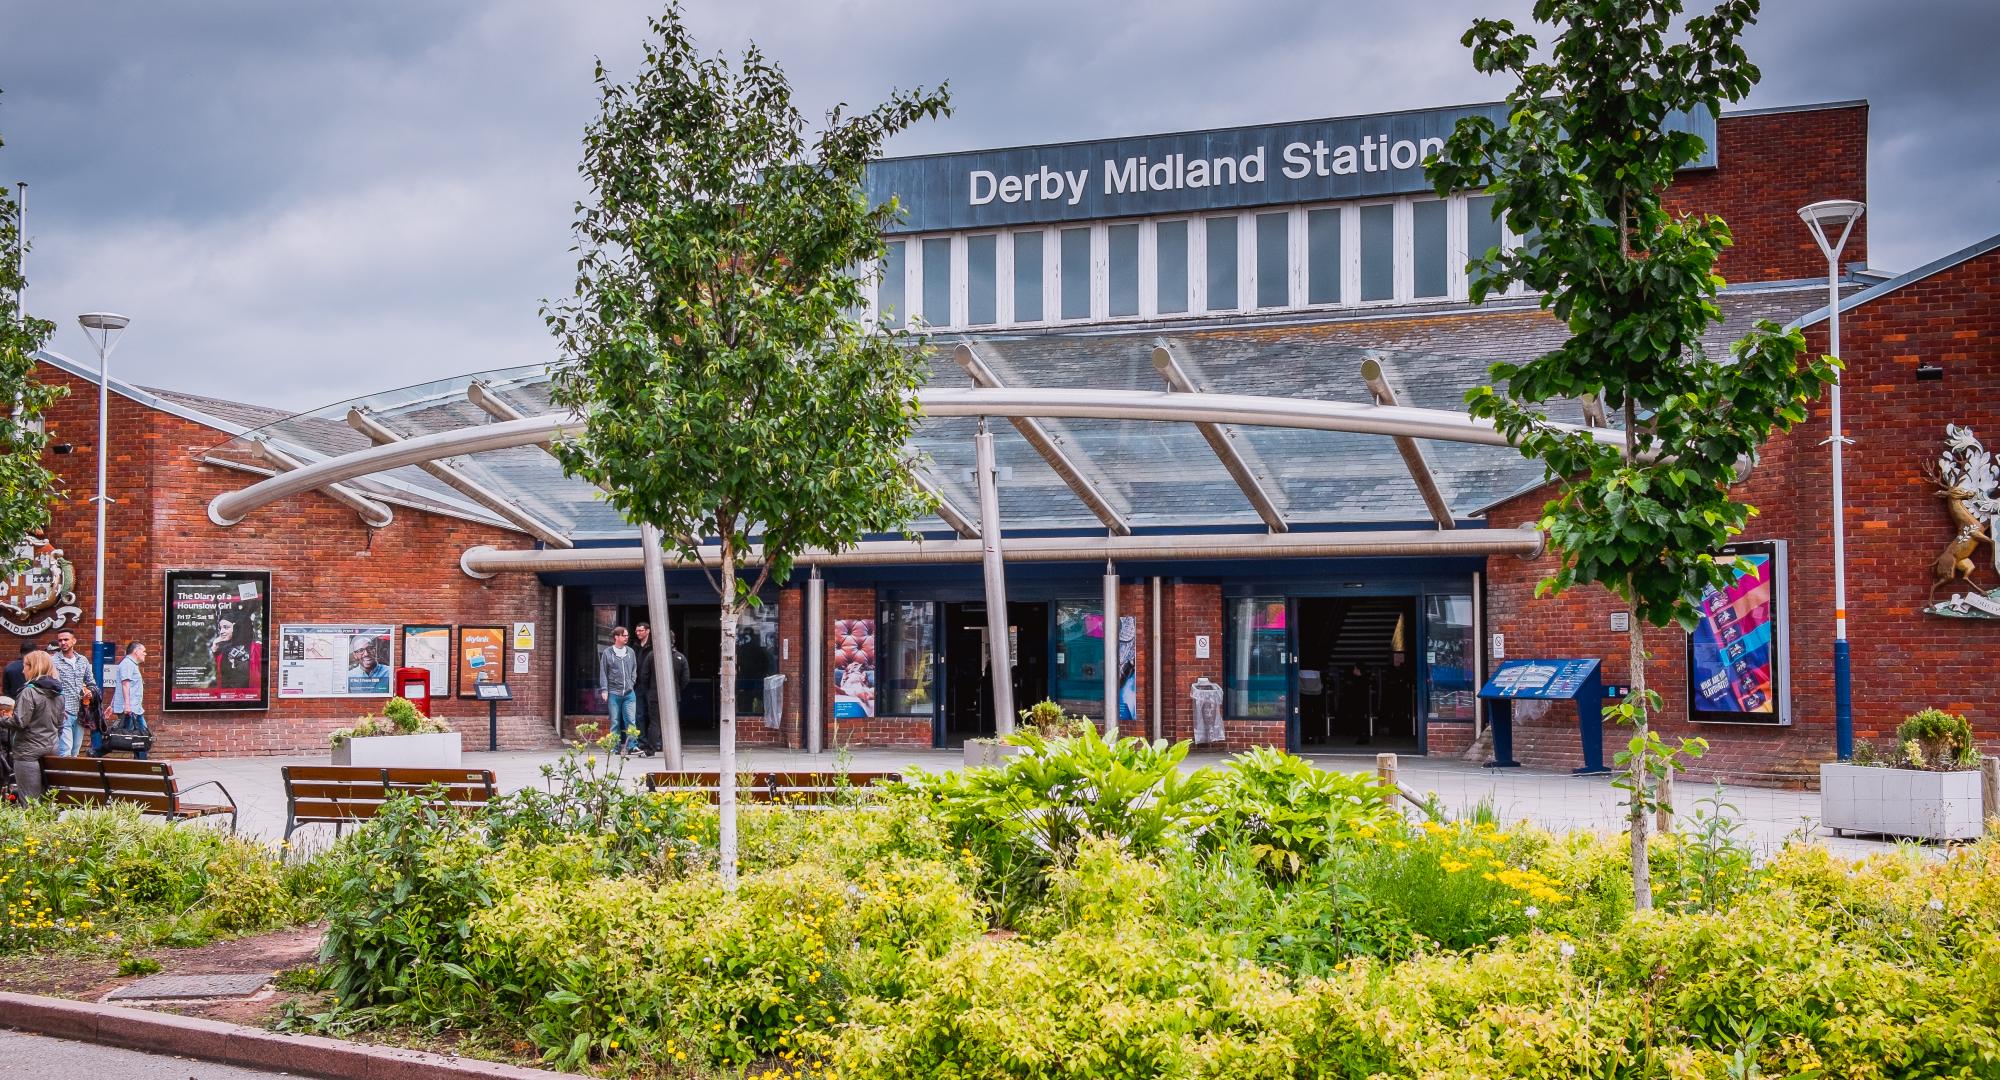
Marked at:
<point>1043,185</point>
<point>1179,172</point>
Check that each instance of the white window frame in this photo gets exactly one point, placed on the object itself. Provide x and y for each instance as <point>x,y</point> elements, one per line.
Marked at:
<point>1398,259</point>
<point>1140,312</point>
<point>1450,292</point>
<point>1304,294</point>
<point>1149,268</point>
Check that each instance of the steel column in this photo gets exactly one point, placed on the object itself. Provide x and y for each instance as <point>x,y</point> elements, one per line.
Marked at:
<point>813,693</point>
<point>663,647</point>
<point>1000,660</point>
<point>1155,722</point>
<point>1111,651</point>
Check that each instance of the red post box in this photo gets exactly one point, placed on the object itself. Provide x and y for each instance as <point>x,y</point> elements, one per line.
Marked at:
<point>414,683</point>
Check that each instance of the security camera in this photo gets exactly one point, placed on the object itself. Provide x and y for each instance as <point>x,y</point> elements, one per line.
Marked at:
<point>61,448</point>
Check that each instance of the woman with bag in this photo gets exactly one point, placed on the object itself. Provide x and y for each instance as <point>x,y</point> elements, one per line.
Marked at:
<point>37,722</point>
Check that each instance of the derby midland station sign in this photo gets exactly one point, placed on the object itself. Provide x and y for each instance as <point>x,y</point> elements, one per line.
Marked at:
<point>1350,157</point>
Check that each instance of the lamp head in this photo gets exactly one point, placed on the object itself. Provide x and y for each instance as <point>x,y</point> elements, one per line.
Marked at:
<point>103,328</point>
<point>1830,221</point>
<point>103,320</point>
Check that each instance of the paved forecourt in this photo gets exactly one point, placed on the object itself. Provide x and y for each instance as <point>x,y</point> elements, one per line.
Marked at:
<point>1553,800</point>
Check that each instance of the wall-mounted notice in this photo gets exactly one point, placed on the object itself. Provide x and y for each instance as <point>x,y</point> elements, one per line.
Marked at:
<point>429,647</point>
<point>482,652</point>
<point>335,660</point>
<point>524,636</point>
<point>217,622</point>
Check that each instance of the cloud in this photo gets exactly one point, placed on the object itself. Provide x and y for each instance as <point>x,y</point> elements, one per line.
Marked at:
<point>300,203</point>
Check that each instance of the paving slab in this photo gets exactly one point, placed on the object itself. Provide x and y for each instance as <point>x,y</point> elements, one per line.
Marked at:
<point>191,987</point>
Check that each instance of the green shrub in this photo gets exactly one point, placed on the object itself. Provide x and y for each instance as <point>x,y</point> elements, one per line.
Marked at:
<point>1016,822</point>
<point>1935,739</point>
<point>1292,813</point>
<point>102,879</point>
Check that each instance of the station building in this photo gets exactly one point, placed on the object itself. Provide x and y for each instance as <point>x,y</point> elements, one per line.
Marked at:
<point>1343,586</point>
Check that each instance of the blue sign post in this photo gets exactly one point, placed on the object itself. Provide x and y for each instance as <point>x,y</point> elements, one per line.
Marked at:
<point>1547,680</point>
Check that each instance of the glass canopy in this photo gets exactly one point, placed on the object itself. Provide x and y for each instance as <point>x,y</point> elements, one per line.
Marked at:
<point>1160,476</point>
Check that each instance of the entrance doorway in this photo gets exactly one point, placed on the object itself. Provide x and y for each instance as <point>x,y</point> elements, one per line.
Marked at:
<point>968,683</point>
<point>1357,671</point>
<point>697,633</point>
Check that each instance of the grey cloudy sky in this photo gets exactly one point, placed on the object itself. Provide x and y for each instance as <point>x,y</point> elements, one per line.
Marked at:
<point>299,203</point>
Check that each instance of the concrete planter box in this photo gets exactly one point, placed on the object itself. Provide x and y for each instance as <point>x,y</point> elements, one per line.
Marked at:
<point>1900,802</point>
<point>401,751</point>
<point>989,752</point>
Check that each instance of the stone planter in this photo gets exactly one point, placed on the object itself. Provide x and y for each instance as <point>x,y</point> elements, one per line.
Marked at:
<point>989,752</point>
<point>401,751</point>
<point>1900,802</point>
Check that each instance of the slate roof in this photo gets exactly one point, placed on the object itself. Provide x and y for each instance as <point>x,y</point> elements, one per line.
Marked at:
<point>1162,475</point>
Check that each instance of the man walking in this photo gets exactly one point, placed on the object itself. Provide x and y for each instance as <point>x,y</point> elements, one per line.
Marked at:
<point>649,693</point>
<point>128,694</point>
<point>618,675</point>
<point>79,686</point>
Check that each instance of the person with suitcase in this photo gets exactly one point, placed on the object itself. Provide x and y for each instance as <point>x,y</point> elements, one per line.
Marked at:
<point>128,706</point>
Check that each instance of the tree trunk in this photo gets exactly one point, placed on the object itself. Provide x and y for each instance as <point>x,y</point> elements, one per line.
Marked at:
<point>1642,871</point>
<point>731,611</point>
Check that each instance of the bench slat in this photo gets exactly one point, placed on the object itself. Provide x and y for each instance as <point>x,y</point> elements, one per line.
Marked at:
<point>125,767</point>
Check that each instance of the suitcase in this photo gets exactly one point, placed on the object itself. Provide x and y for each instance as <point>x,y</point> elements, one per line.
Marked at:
<point>124,741</point>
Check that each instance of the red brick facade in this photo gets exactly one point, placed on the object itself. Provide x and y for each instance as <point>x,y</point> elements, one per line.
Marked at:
<point>326,567</point>
<point>1767,166</point>
<point>1903,659</point>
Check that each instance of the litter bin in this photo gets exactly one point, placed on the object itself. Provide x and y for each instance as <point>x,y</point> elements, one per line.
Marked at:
<point>774,701</point>
<point>1207,712</point>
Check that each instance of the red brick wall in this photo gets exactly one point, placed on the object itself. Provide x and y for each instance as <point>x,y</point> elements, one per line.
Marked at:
<point>1767,167</point>
<point>326,566</point>
<point>1903,659</point>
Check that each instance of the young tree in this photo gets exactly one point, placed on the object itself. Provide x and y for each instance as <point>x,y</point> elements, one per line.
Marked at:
<point>727,395</point>
<point>25,486</point>
<point>1583,162</point>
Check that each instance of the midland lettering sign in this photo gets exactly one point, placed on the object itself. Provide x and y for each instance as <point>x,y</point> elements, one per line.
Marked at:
<point>1224,169</point>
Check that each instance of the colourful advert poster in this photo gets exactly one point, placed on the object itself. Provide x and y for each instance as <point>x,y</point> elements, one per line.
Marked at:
<point>1732,656</point>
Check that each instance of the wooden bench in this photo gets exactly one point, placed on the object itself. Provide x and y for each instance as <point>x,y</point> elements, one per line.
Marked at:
<point>149,785</point>
<point>789,788</point>
<point>337,794</point>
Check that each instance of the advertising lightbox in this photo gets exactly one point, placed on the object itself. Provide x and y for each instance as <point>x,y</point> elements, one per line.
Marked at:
<point>1739,662</point>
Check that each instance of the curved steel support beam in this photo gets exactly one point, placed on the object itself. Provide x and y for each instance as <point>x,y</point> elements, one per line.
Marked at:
<point>231,507</point>
<point>1413,455</point>
<point>1221,440</point>
<point>380,434</point>
<point>375,515</point>
<point>1153,405</point>
<point>1526,542</point>
<point>1048,445</point>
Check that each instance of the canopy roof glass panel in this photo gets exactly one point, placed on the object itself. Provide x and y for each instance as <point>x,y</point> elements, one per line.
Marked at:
<point>1154,475</point>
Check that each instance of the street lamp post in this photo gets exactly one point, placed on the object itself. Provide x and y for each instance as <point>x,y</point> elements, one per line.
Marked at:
<point>1826,218</point>
<point>102,328</point>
